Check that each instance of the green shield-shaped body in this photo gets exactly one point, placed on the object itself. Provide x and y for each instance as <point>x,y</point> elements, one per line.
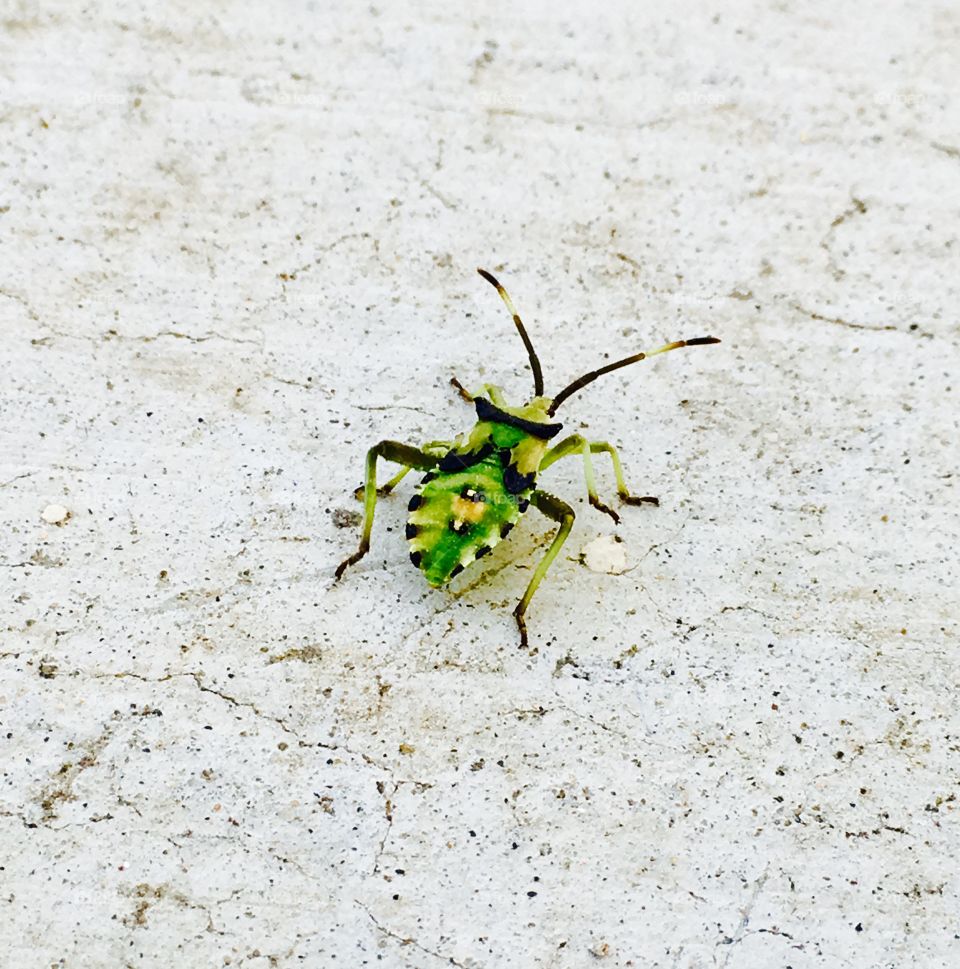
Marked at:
<point>476,495</point>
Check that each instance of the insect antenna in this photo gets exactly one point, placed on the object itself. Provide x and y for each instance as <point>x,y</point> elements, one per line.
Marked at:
<point>534,361</point>
<point>588,378</point>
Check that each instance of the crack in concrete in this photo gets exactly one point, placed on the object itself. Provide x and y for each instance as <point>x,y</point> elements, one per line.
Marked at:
<point>745,608</point>
<point>307,384</point>
<point>178,335</point>
<point>851,325</point>
<point>439,196</point>
<point>579,122</point>
<point>24,302</point>
<point>669,538</point>
<point>839,321</point>
<point>950,150</point>
<point>405,940</point>
<point>657,608</point>
<point>390,407</point>
<point>745,914</point>
<point>110,335</point>
<point>388,807</point>
<point>287,277</point>
<point>197,679</point>
<point>18,477</point>
<point>592,719</point>
<point>632,741</point>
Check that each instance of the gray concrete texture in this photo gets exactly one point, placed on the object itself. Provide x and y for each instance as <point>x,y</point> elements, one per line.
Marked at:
<point>237,247</point>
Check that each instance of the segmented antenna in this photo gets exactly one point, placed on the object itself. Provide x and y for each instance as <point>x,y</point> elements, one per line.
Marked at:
<point>588,378</point>
<point>534,362</point>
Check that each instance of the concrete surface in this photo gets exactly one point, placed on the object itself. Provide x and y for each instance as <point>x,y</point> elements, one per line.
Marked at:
<point>237,246</point>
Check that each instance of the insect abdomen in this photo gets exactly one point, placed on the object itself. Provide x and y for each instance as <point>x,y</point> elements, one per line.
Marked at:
<point>458,516</point>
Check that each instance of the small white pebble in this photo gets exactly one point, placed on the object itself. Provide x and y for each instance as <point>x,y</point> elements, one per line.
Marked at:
<point>772,436</point>
<point>55,514</point>
<point>605,554</point>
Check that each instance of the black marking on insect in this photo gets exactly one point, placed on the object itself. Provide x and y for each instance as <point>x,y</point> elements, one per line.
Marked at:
<point>487,412</point>
<point>452,461</point>
<point>515,482</point>
<point>476,488</point>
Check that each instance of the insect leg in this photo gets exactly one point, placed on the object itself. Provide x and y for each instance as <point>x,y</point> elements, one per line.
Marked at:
<point>404,454</point>
<point>622,490</point>
<point>560,512</point>
<point>385,489</point>
<point>577,444</point>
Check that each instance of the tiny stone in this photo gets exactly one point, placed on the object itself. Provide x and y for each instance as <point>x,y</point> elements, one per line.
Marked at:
<point>605,554</point>
<point>55,515</point>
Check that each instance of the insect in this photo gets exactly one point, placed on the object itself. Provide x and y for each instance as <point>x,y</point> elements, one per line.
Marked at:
<point>477,486</point>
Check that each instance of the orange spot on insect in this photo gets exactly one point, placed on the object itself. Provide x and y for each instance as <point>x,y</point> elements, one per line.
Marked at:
<point>468,511</point>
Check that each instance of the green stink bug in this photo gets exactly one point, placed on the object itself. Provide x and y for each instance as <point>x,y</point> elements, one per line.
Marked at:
<point>477,486</point>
